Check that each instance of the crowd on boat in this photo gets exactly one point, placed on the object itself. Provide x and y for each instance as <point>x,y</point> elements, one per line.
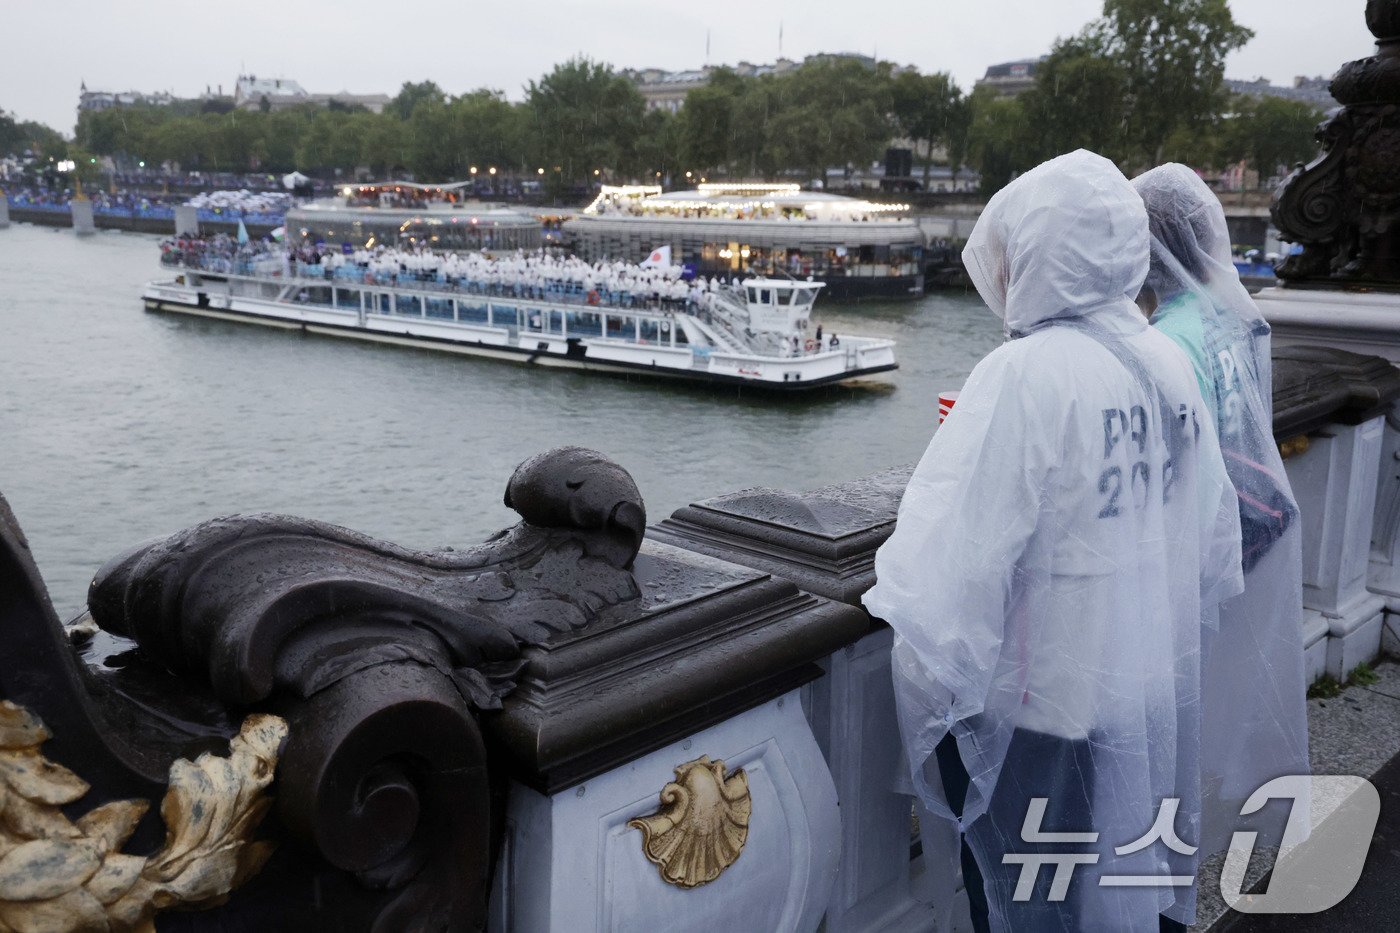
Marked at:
<point>744,210</point>
<point>520,275</point>
<point>242,201</point>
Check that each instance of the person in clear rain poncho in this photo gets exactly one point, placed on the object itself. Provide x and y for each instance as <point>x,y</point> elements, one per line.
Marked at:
<point>1046,575</point>
<point>1253,687</point>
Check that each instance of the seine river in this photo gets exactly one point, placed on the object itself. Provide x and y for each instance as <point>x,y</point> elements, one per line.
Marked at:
<point>117,425</point>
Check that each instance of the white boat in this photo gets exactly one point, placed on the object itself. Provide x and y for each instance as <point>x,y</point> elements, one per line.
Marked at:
<point>756,334</point>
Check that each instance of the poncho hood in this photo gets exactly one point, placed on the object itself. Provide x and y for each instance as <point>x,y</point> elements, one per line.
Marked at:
<point>1061,240</point>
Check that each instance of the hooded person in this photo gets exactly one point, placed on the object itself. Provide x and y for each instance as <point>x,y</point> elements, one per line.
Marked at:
<point>1047,572</point>
<point>1253,686</point>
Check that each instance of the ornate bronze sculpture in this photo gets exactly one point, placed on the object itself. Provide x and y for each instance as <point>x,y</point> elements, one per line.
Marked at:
<point>378,657</point>
<point>1344,207</point>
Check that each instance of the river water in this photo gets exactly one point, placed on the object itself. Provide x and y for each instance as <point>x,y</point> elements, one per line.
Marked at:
<point>117,425</point>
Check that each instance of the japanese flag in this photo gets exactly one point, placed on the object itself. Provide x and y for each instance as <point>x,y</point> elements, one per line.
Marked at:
<point>661,256</point>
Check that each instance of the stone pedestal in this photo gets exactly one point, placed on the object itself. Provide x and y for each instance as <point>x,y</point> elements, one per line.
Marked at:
<point>712,661</point>
<point>1335,485</point>
<point>825,541</point>
<point>83,223</point>
<point>1341,402</point>
<point>186,220</point>
<point>1358,321</point>
<point>570,861</point>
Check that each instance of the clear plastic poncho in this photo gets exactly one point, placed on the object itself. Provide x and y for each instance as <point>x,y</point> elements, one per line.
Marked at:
<point>1052,553</point>
<point>1253,686</point>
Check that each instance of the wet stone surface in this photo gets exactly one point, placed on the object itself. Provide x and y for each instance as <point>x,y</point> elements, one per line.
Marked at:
<point>1356,732</point>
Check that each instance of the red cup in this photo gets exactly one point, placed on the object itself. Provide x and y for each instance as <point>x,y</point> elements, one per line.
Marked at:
<point>946,400</point>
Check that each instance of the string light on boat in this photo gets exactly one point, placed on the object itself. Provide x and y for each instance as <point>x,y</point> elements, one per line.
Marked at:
<point>748,187</point>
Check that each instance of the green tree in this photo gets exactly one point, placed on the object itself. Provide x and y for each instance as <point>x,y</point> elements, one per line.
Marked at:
<point>1172,53</point>
<point>583,116</point>
<point>414,93</point>
<point>1077,102</point>
<point>432,140</point>
<point>491,131</point>
<point>959,125</point>
<point>19,135</point>
<point>659,147</point>
<point>383,146</point>
<point>755,108</point>
<point>120,131</point>
<point>705,125</point>
<point>998,142</point>
<point>928,110</point>
<point>331,141</point>
<point>1270,133</point>
<point>836,114</point>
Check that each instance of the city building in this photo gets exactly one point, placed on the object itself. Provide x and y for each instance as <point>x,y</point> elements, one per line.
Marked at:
<point>106,100</point>
<point>1313,91</point>
<point>1009,79</point>
<point>666,90</point>
<point>273,94</point>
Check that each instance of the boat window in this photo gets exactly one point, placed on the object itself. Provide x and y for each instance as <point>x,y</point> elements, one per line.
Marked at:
<point>406,304</point>
<point>681,337</point>
<point>315,295</point>
<point>651,331</point>
<point>765,296</point>
<point>584,324</point>
<point>786,295</point>
<point>472,313</point>
<point>620,328</point>
<point>439,307</point>
<point>753,295</point>
<point>556,322</point>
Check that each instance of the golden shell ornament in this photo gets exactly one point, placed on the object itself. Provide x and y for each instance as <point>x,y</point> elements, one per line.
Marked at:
<point>702,825</point>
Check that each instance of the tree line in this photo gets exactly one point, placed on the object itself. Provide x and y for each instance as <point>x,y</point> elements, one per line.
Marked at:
<point>1141,84</point>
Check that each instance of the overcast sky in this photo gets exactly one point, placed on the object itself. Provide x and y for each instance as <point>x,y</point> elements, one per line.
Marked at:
<point>372,45</point>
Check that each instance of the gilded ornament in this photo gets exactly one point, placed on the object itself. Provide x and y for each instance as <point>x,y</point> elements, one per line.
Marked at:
<point>702,825</point>
<point>59,875</point>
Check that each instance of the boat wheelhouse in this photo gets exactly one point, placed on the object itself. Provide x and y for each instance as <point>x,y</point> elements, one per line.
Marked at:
<point>757,334</point>
<point>859,248</point>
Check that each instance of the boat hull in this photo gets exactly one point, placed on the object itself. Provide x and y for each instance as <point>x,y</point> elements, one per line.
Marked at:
<point>548,351</point>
